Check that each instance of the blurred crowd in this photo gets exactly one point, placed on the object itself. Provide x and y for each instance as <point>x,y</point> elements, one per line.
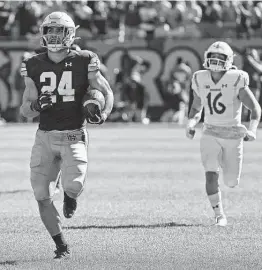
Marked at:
<point>138,19</point>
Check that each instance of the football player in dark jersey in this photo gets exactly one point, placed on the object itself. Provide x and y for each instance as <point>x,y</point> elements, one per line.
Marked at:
<point>55,83</point>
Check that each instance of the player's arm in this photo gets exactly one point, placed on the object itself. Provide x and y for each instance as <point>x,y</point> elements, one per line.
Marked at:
<point>194,116</point>
<point>32,103</point>
<point>248,99</point>
<point>195,112</point>
<point>97,81</point>
<point>30,95</point>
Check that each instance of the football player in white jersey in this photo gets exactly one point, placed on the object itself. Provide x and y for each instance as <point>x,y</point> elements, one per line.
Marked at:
<point>221,90</point>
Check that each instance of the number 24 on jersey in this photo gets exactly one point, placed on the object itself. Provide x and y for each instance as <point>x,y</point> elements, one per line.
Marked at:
<point>64,87</point>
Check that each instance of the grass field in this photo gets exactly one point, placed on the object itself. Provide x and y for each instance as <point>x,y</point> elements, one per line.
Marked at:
<point>144,206</point>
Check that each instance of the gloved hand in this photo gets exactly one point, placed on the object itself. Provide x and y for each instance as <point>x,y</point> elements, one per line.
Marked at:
<point>252,131</point>
<point>43,102</point>
<point>97,119</point>
<point>190,133</point>
<point>190,128</point>
<point>250,136</point>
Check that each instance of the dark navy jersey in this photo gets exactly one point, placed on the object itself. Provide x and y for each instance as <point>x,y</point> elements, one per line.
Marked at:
<point>67,81</point>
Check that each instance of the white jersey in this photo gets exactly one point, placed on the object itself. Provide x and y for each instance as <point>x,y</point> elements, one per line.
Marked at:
<point>220,100</point>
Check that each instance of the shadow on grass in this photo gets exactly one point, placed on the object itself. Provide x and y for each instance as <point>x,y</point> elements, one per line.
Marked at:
<point>8,263</point>
<point>132,226</point>
<point>14,191</point>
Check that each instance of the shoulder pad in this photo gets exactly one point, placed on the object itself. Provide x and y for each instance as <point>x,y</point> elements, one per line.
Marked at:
<point>242,78</point>
<point>201,72</point>
<point>199,75</point>
<point>29,63</point>
<point>27,57</point>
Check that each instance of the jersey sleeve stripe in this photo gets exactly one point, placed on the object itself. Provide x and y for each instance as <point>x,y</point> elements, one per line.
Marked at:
<point>196,82</point>
<point>237,81</point>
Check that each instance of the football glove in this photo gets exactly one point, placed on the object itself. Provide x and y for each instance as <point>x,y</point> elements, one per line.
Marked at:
<point>43,102</point>
<point>250,136</point>
<point>190,128</point>
<point>97,119</point>
<point>252,130</point>
<point>190,133</point>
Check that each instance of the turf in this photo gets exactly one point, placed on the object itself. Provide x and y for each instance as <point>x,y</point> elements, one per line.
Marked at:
<point>144,206</point>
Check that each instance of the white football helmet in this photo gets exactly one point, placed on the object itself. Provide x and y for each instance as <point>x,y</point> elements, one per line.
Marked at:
<point>215,63</point>
<point>57,31</point>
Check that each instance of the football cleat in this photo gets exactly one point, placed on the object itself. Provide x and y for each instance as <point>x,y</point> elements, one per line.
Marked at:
<point>69,207</point>
<point>62,252</point>
<point>221,221</point>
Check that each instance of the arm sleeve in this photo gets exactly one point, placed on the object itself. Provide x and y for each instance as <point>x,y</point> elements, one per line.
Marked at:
<point>23,69</point>
<point>27,67</point>
<point>92,62</point>
<point>245,78</point>
<point>242,81</point>
<point>195,84</point>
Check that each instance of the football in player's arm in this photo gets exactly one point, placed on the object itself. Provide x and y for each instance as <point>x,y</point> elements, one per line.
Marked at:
<point>55,84</point>
<point>98,81</point>
<point>220,90</point>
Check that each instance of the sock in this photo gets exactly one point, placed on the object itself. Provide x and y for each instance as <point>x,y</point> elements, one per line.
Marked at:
<point>216,203</point>
<point>59,240</point>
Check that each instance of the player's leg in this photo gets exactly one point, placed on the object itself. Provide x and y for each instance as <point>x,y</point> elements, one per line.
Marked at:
<point>231,164</point>
<point>74,169</point>
<point>45,169</point>
<point>211,155</point>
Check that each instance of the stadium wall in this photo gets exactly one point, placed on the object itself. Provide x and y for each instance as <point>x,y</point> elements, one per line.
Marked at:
<point>161,53</point>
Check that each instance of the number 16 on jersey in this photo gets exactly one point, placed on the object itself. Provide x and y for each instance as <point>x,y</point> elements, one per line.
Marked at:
<point>64,88</point>
<point>215,105</point>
